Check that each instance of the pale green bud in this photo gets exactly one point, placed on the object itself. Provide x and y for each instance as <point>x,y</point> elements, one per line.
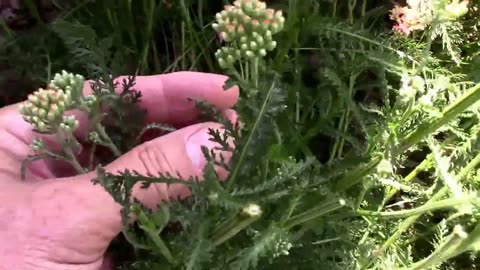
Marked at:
<point>260,40</point>
<point>94,137</point>
<point>268,34</point>
<point>51,116</point>
<point>42,113</point>
<point>32,98</point>
<point>238,54</point>
<point>230,60</point>
<point>271,45</point>
<point>37,144</point>
<point>34,111</point>
<point>41,126</point>
<point>222,63</point>
<point>90,100</point>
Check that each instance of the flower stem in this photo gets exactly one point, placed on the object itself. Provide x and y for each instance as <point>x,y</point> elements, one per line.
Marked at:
<point>449,113</point>
<point>315,212</point>
<point>233,226</point>
<point>443,252</point>
<point>237,167</point>
<point>109,143</point>
<point>404,225</point>
<point>429,207</point>
<point>255,71</point>
<point>70,157</point>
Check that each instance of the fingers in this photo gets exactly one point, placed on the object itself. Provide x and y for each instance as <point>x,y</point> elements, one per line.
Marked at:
<point>168,97</point>
<point>177,153</point>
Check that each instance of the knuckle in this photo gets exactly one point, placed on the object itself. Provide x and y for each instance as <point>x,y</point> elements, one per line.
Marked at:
<point>154,159</point>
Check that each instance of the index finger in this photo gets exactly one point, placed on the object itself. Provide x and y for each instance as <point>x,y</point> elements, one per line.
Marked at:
<point>169,98</point>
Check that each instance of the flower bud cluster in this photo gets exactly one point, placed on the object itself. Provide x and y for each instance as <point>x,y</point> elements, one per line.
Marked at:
<point>37,144</point>
<point>69,124</point>
<point>94,137</point>
<point>454,10</point>
<point>250,25</point>
<point>410,87</point>
<point>68,82</point>
<point>44,109</point>
<point>281,247</point>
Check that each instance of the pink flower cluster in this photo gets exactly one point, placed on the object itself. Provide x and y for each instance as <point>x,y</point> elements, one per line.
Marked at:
<point>417,15</point>
<point>407,19</point>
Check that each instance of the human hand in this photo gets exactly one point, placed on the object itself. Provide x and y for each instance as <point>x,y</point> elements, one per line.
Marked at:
<point>57,220</point>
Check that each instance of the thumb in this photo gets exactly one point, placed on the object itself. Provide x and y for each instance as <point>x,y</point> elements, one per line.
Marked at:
<point>97,215</point>
<point>178,153</point>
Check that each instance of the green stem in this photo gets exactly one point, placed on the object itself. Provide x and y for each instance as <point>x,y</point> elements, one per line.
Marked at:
<point>422,166</point>
<point>70,157</point>
<point>315,212</point>
<point>449,113</point>
<point>355,176</point>
<point>429,207</point>
<point>442,253</point>
<point>364,10</point>
<point>239,164</point>
<point>109,143</point>
<point>334,8</point>
<point>425,129</point>
<point>352,80</point>
<point>255,71</point>
<point>233,226</point>
<point>163,249</point>
<point>470,243</point>
<point>351,8</point>
<point>410,220</point>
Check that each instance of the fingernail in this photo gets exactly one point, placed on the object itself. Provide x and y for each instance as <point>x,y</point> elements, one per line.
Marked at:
<point>194,148</point>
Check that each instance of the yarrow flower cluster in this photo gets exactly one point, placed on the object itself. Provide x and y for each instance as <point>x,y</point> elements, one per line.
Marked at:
<point>410,87</point>
<point>417,15</point>
<point>249,26</point>
<point>45,108</point>
<point>410,18</point>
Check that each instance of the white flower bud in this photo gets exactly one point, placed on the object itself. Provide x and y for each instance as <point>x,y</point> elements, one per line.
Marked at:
<point>230,60</point>
<point>271,45</point>
<point>42,113</point>
<point>41,127</point>
<point>32,98</point>
<point>252,210</point>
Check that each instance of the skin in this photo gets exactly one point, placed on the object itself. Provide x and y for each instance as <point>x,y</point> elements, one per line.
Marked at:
<point>56,219</point>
